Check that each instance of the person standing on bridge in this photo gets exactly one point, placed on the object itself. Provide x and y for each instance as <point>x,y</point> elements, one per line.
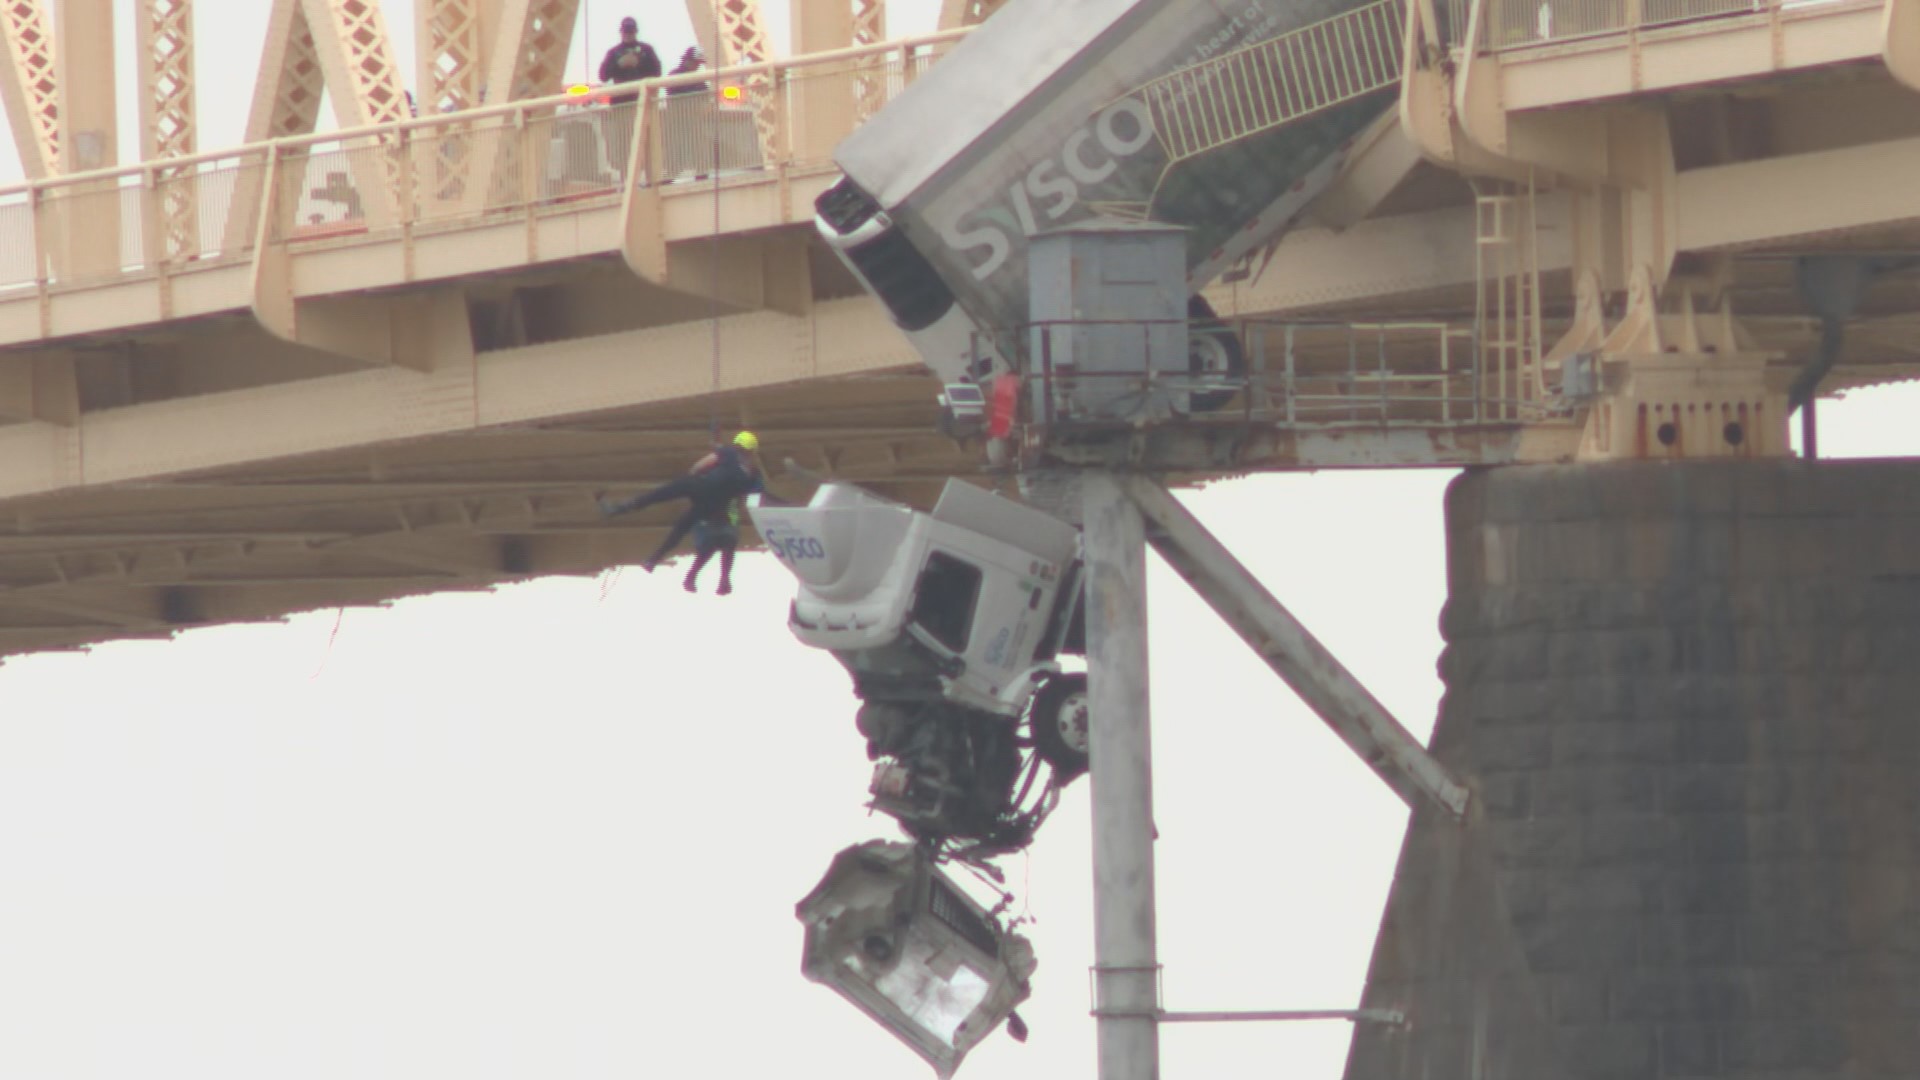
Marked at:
<point>630,60</point>
<point>710,487</point>
<point>686,123</point>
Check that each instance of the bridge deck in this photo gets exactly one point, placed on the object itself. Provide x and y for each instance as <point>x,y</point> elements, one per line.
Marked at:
<point>351,367</point>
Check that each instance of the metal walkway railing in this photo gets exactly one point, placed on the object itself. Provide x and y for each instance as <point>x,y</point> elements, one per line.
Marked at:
<point>443,172</point>
<point>1263,86</point>
<point>1510,24</point>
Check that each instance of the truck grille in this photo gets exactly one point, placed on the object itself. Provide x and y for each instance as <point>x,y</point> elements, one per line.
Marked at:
<point>947,906</point>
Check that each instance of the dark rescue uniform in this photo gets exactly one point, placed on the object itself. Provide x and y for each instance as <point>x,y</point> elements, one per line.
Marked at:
<point>646,66</point>
<point>709,494</point>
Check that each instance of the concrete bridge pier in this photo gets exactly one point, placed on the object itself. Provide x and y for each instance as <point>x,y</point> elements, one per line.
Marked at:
<point>1688,699</point>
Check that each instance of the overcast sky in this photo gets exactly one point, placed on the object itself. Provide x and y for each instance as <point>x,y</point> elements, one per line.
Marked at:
<point>558,829</point>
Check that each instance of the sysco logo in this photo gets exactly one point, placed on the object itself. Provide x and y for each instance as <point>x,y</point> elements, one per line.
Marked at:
<point>1050,188</point>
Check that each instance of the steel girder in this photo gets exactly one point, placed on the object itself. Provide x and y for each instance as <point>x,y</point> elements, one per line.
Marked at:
<point>165,38</point>
<point>453,42</point>
<point>530,49</point>
<point>29,87</point>
<point>954,13</point>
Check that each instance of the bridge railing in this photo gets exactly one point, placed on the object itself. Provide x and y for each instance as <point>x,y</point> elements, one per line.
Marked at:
<point>447,171</point>
<point>1289,374</point>
<point>1508,24</point>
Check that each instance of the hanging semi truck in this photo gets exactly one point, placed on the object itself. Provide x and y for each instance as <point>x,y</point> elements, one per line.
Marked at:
<point>953,624</point>
<point>1223,117</point>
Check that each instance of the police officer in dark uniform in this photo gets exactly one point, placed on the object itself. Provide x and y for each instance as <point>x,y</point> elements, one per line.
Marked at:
<point>629,61</point>
<point>710,487</point>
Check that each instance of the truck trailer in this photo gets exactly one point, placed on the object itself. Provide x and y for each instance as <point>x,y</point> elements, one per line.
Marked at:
<point>1223,117</point>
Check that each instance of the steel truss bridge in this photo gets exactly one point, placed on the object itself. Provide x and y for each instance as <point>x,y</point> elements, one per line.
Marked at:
<point>404,356</point>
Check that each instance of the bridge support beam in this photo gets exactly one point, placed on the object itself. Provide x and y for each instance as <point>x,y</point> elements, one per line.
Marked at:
<point>1383,157</point>
<point>958,13</point>
<point>1293,653</point>
<point>87,240</point>
<point>1755,202</point>
<point>1902,37</point>
<point>1126,972</point>
<point>30,86</point>
<point>39,386</point>
<point>745,273</point>
<point>425,332</point>
<point>824,104</point>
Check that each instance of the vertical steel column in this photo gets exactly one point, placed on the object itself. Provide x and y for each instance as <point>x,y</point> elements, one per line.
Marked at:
<point>1126,973</point>
<point>29,86</point>
<point>87,238</point>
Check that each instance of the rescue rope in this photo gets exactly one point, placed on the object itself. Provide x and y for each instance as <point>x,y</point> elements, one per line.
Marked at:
<point>712,108</point>
<point>338,615</point>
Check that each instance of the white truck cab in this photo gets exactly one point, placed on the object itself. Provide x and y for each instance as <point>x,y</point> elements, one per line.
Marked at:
<point>978,596</point>
<point>951,624</point>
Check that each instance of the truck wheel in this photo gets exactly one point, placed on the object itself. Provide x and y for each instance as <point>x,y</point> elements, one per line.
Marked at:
<point>1212,349</point>
<point>1061,725</point>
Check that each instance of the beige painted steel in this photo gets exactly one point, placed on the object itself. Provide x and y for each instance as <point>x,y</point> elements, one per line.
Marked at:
<point>869,22</point>
<point>869,27</point>
<point>529,57</point>
<point>164,38</point>
<point>453,44</point>
<point>286,103</point>
<point>291,83</point>
<point>1750,41</point>
<point>363,75</point>
<point>1382,160</point>
<point>352,409</point>
<point>29,86</point>
<point>453,41</point>
<point>731,32</point>
<point>825,103</point>
<point>1743,204</point>
<point>1684,386</point>
<point>957,13</point>
<point>1900,38</point>
<point>88,241</point>
<point>742,37</point>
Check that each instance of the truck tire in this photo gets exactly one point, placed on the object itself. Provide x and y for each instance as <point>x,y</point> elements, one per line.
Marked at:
<point>1060,725</point>
<point>1212,349</point>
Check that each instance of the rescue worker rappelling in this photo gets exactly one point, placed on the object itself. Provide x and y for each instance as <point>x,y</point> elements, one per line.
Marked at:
<point>711,487</point>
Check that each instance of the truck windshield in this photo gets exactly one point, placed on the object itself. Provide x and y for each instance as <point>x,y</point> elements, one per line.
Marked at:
<point>944,598</point>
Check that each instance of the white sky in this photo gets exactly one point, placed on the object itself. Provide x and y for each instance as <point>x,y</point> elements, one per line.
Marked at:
<point>558,829</point>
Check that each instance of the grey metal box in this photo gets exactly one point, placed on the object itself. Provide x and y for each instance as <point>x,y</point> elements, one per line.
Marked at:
<point>1109,307</point>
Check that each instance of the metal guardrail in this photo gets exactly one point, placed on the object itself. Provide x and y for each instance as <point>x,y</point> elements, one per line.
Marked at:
<point>446,171</point>
<point>1295,374</point>
<point>1508,24</point>
<point>1260,87</point>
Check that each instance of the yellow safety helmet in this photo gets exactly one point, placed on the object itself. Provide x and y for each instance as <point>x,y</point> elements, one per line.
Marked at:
<point>747,441</point>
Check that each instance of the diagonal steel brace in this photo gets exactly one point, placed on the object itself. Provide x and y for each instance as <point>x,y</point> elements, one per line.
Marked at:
<point>1291,650</point>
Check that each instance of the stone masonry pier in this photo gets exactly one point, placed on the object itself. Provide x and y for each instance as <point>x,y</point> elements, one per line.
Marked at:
<point>1688,700</point>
